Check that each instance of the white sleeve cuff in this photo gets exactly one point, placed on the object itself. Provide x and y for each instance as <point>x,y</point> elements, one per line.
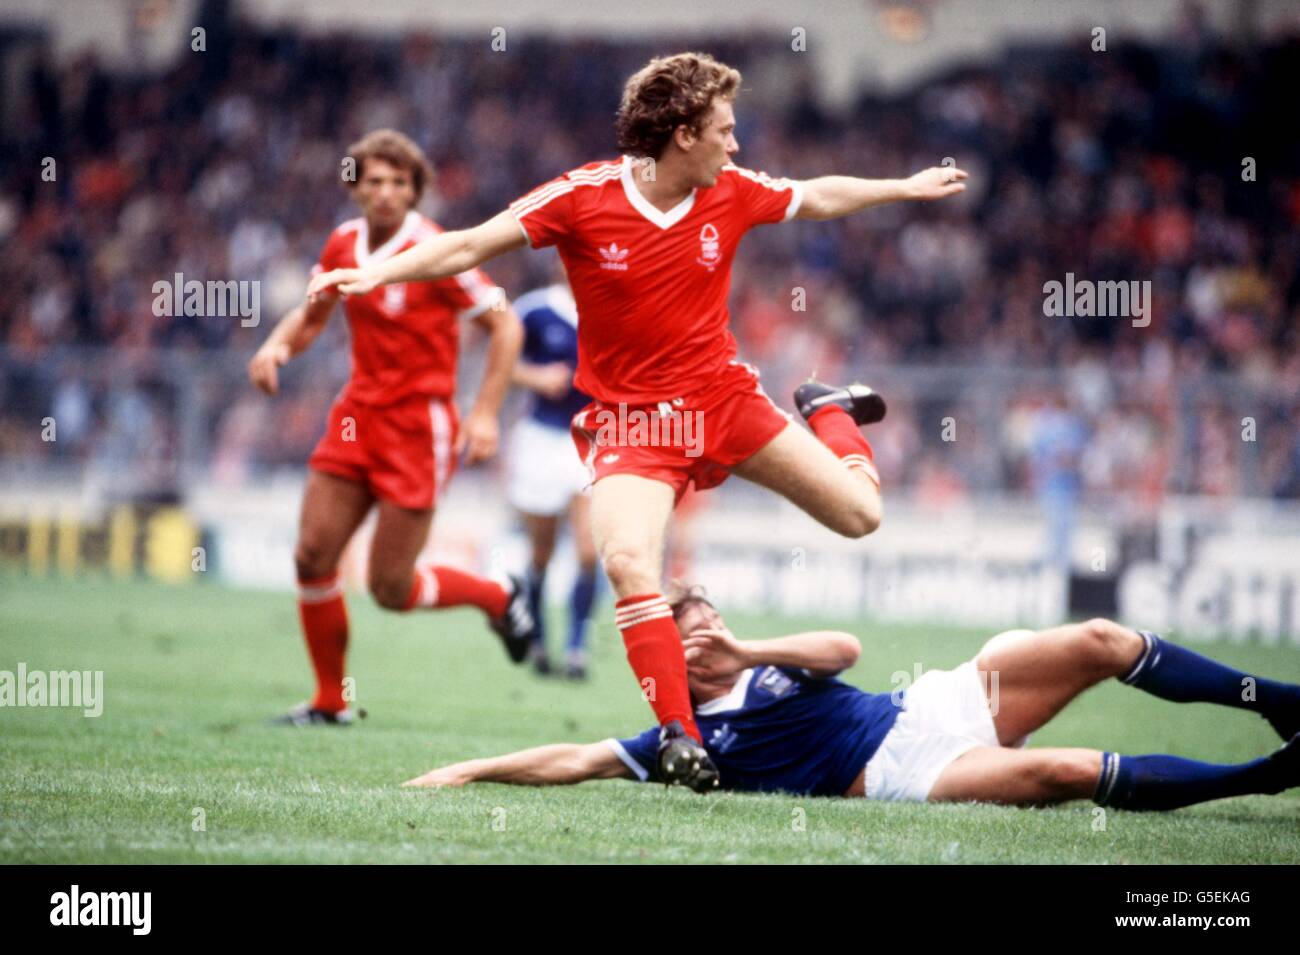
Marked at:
<point>641,772</point>
<point>796,200</point>
<point>481,294</point>
<point>528,239</point>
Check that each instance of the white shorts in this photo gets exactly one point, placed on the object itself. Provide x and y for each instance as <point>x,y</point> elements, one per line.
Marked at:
<point>945,713</point>
<point>545,470</point>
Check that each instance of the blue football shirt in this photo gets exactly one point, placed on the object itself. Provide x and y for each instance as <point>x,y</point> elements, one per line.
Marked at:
<point>780,729</point>
<point>550,319</point>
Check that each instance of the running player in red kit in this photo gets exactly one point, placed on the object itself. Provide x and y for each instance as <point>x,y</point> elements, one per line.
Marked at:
<point>393,436</point>
<point>648,240</point>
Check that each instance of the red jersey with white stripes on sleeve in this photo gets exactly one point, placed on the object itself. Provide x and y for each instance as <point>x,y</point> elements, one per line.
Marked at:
<point>405,337</point>
<point>651,286</point>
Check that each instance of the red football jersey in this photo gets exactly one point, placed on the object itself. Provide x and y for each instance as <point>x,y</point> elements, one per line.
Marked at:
<point>651,286</point>
<point>405,337</point>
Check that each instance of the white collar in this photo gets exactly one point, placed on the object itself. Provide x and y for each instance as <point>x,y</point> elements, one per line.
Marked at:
<point>664,220</point>
<point>734,699</point>
<point>404,232</point>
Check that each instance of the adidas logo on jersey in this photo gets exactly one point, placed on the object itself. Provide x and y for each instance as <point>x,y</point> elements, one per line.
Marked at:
<point>723,737</point>
<point>615,258</point>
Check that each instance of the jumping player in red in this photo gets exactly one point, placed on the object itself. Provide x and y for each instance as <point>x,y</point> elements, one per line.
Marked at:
<point>648,240</point>
<point>393,436</point>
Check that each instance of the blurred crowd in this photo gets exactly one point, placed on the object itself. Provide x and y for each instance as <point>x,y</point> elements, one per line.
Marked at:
<point>1169,164</point>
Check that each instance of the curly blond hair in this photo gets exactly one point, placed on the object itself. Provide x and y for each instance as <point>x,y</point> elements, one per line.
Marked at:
<point>668,92</point>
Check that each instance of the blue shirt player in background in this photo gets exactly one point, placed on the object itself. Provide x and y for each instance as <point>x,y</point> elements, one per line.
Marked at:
<point>546,477</point>
<point>774,719</point>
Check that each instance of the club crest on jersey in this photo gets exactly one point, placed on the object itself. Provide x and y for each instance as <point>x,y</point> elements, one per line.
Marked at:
<point>615,258</point>
<point>775,682</point>
<point>395,297</point>
<point>710,253</point>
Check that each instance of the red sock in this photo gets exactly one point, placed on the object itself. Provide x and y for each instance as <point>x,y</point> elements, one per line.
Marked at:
<point>836,429</point>
<point>324,619</point>
<point>654,648</point>
<point>448,587</point>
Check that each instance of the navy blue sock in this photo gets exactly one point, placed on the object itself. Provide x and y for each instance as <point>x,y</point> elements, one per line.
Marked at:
<point>536,584</point>
<point>1170,782</point>
<point>580,603</point>
<point>1173,672</point>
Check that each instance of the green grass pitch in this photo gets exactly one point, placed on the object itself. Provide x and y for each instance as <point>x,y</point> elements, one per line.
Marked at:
<point>190,674</point>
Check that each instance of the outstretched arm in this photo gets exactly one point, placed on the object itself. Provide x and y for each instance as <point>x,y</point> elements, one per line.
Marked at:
<point>829,197</point>
<point>556,765</point>
<point>450,253</point>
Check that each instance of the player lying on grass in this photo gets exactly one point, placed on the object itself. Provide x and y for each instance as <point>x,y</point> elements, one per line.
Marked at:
<point>775,719</point>
<point>393,433</point>
<point>648,239</point>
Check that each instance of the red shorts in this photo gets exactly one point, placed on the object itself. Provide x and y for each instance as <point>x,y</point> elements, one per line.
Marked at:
<point>691,439</point>
<point>402,452</point>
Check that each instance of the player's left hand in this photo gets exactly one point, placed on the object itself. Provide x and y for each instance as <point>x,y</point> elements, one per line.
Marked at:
<point>478,439</point>
<point>447,776</point>
<point>714,654</point>
<point>937,182</point>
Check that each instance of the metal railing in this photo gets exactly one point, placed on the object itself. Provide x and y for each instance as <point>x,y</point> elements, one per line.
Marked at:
<point>149,423</point>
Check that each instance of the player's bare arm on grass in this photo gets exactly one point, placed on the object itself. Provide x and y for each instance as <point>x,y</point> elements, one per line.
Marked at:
<point>829,197</point>
<point>717,654</point>
<point>480,434</point>
<point>550,380</point>
<point>292,334</point>
<point>556,765</point>
<point>450,253</point>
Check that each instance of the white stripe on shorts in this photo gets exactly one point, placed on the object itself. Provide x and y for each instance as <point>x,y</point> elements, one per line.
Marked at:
<point>440,424</point>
